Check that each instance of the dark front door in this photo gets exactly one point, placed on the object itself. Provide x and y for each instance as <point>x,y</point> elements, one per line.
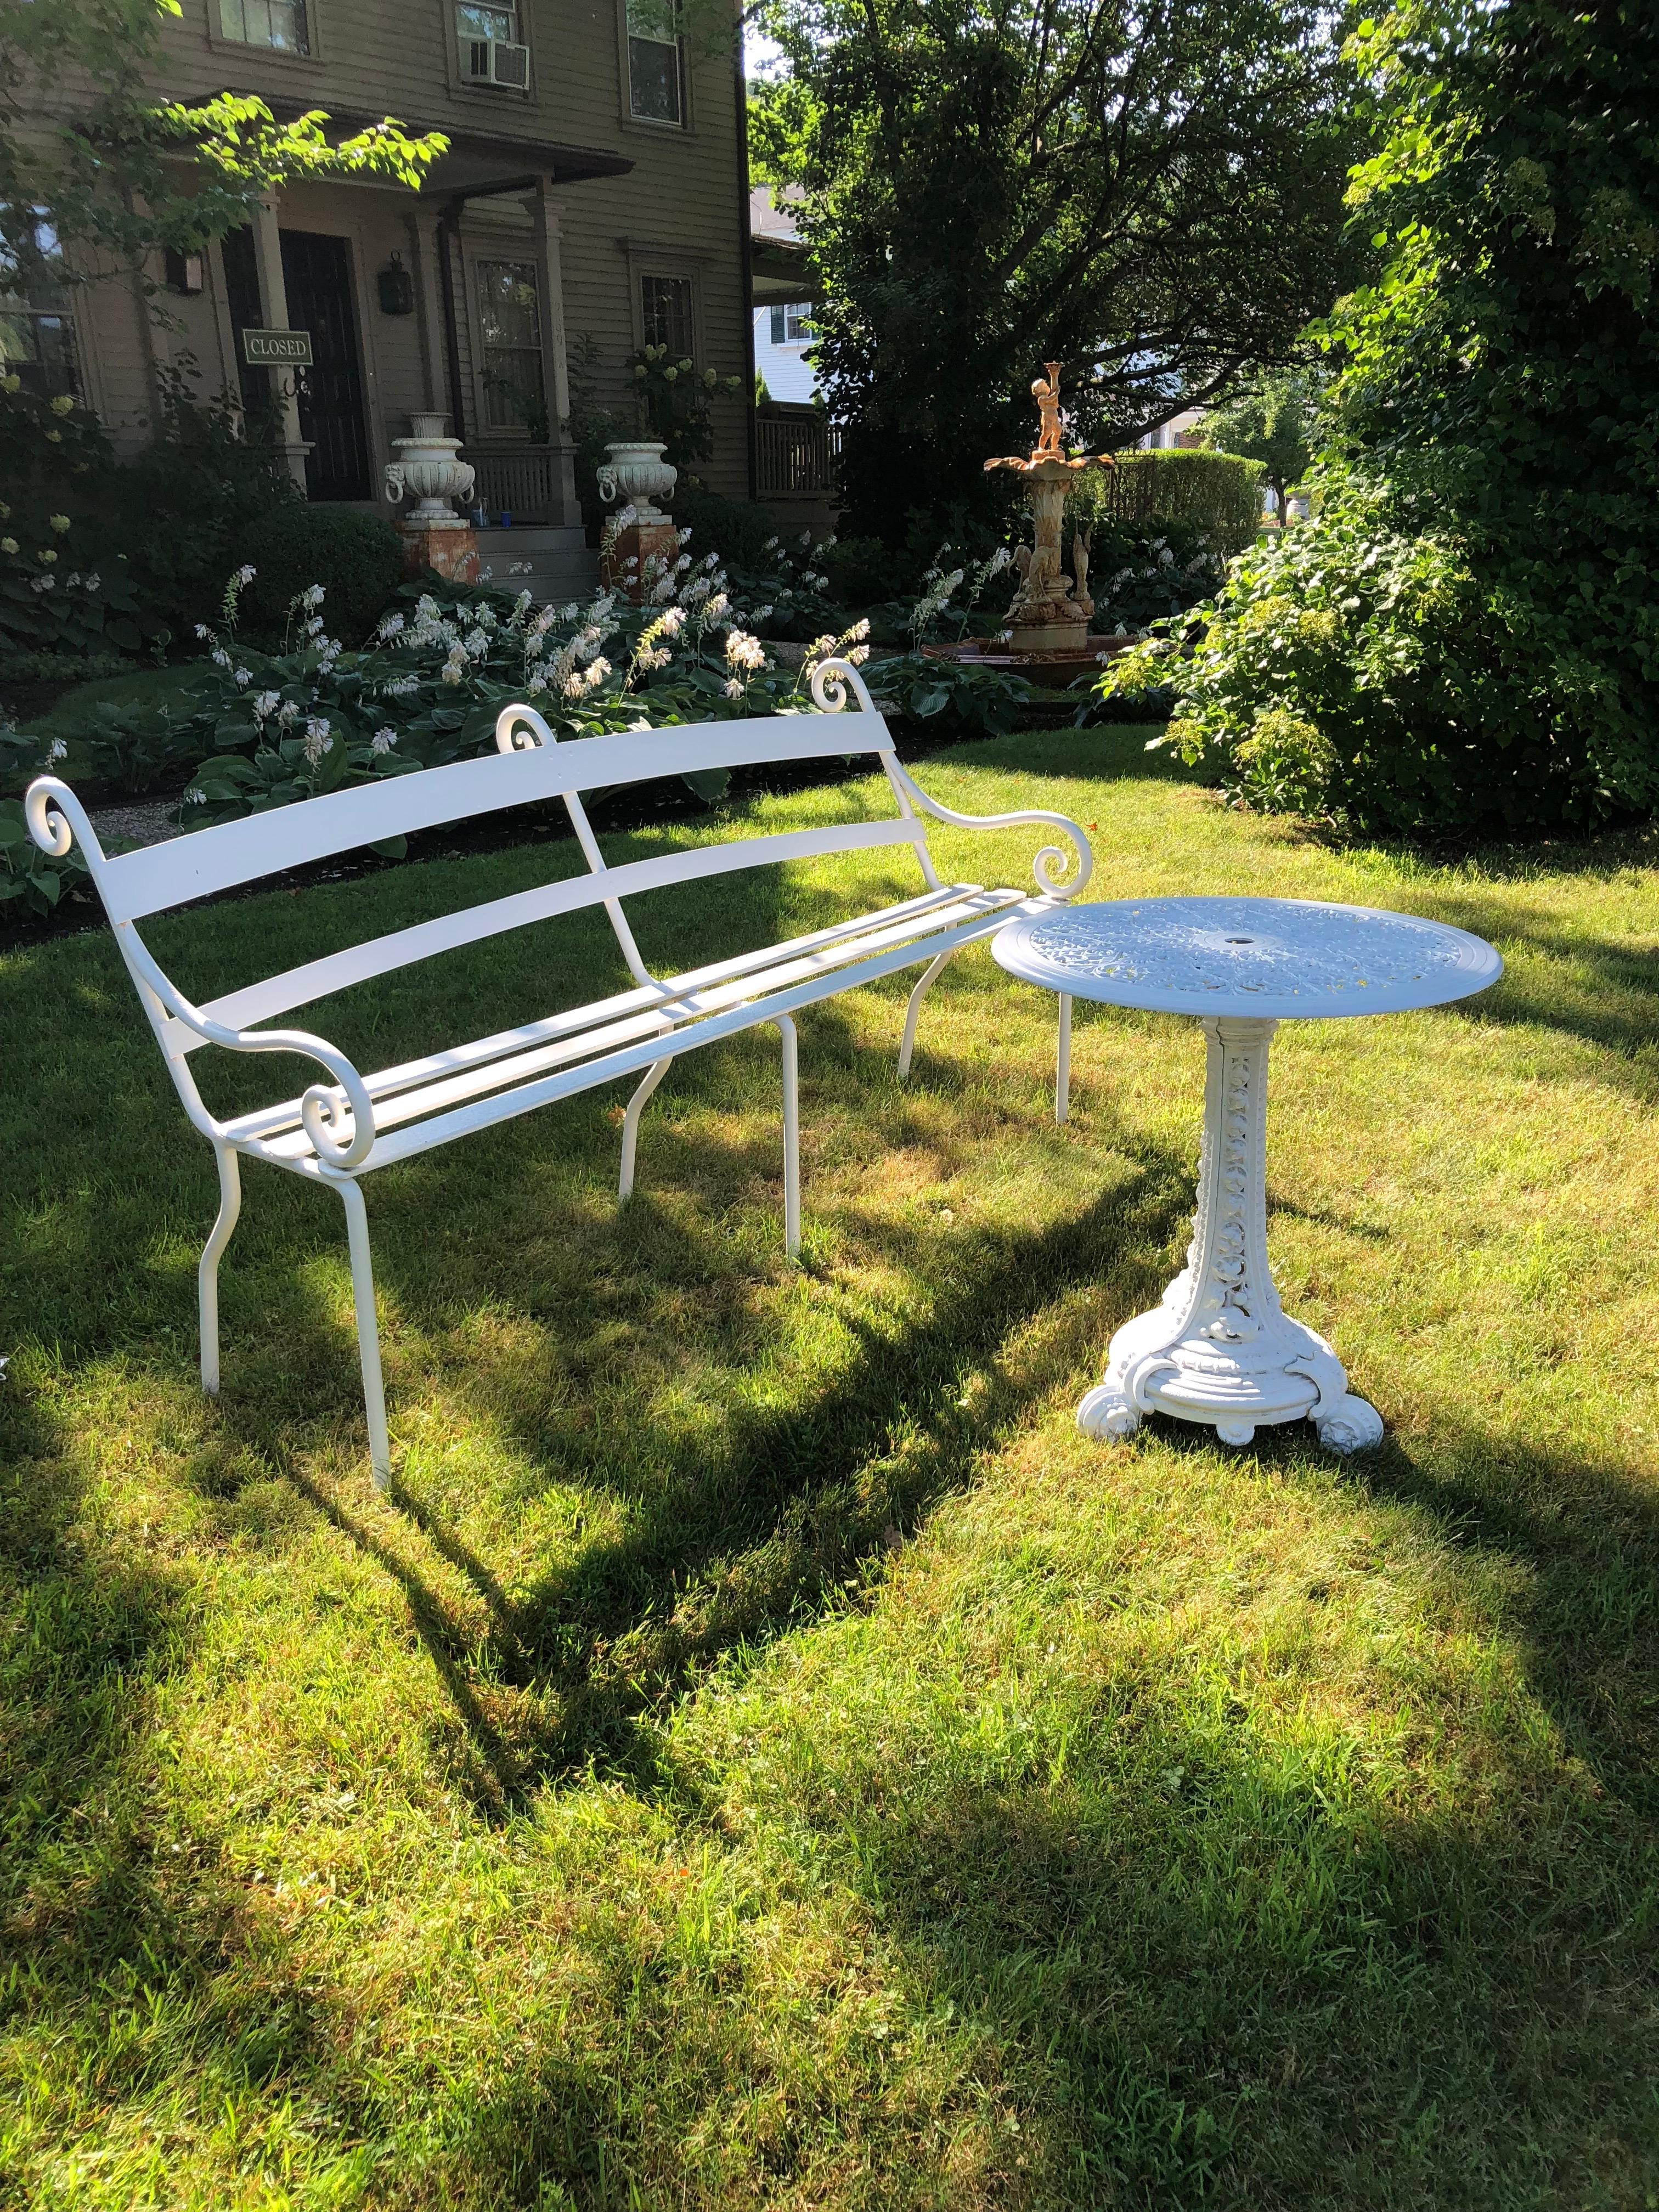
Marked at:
<point>317,275</point>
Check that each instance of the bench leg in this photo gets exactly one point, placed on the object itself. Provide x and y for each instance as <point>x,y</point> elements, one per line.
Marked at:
<point>207,1272</point>
<point>1063,1061</point>
<point>791,1135</point>
<point>930,975</point>
<point>369,1334</point>
<point>631,1144</point>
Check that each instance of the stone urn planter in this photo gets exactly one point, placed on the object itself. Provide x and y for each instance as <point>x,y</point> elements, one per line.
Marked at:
<point>637,473</point>
<point>428,470</point>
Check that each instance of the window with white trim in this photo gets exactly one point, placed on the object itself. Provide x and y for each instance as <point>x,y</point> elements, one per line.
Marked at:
<point>510,332</point>
<point>490,33</point>
<point>792,325</point>
<point>279,24</point>
<point>499,23</point>
<point>656,62</point>
<point>37,324</point>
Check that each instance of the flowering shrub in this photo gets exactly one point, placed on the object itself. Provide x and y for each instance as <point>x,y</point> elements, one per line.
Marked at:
<point>1136,580</point>
<point>61,592</point>
<point>428,686</point>
<point>674,398</point>
<point>1351,671</point>
<point>789,590</point>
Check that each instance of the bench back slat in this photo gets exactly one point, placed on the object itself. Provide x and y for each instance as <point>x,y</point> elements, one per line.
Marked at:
<point>209,861</point>
<point>357,964</point>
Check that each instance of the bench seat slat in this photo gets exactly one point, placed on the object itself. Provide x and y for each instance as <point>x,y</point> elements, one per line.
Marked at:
<point>506,1105</point>
<point>133,884</point>
<point>938,907</point>
<point>357,964</point>
<point>444,1082</point>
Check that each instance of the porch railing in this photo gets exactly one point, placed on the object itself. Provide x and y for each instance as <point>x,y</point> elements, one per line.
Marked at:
<point>519,480</point>
<point>797,450</point>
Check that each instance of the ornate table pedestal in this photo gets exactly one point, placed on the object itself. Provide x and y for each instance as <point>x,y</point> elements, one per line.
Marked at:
<point>1219,1348</point>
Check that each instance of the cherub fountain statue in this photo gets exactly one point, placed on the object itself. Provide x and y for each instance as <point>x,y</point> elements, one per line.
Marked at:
<point>1051,611</point>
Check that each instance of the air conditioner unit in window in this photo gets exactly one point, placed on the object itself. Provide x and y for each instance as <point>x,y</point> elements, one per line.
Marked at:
<point>494,61</point>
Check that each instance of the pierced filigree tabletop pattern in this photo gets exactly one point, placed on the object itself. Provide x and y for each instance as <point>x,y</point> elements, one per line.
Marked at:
<point>1275,959</point>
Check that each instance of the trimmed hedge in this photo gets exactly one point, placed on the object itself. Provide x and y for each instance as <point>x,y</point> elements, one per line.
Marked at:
<point>357,557</point>
<point>1216,493</point>
<point>736,529</point>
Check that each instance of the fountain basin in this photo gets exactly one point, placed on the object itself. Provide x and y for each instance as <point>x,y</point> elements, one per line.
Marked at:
<point>1053,667</point>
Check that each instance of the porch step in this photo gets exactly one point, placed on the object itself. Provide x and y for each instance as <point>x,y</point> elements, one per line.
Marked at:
<point>554,562</point>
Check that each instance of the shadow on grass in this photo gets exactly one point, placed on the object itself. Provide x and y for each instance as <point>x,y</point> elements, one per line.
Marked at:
<point>1214,1966</point>
<point>128,1949</point>
<point>730,1546</point>
<point>1588,1537</point>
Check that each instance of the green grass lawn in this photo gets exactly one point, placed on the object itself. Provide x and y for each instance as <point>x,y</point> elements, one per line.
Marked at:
<point>761,1754</point>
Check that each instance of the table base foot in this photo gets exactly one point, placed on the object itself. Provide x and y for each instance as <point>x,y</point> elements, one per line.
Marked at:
<point>1105,1411</point>
<point>1352,1424</point>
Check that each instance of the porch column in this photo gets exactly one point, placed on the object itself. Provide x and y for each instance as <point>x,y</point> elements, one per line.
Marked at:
<point>544,212</point>
<point>431,333</point>
<point>273,296</point>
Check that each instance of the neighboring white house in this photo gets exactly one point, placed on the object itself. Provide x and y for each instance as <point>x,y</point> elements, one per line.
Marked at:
<point>1180,430</point>
<point>783,328</point>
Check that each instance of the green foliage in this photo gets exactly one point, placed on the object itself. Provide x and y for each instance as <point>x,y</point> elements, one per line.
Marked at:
<point>60,667</point>
<point>48,609</point>
<point>64,589</point>
<point>1352,672</point>
<point>965,701</point>
<point>1498,380</point>
<point>1140,576</point>
<point>861,571</point>
<point>428,687</point>
<point>739,529</point>
<point>360,557</point>
<point>33,882</point>
<point>1467,635</point>
<point>1271,419</point>
<point>1150,492</point>
<point>210,483</point>
<point>1149,203</point>
<point>675,401</point>
<point>126,177</point>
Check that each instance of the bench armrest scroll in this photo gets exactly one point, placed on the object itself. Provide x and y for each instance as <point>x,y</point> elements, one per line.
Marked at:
<point>830,682</point>
<point>324,1106</point>
<point>521,729</point>
<point>1049,856</point>
<point>56,820</point>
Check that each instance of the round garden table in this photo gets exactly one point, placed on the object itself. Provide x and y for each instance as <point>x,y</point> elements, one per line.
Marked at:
<point>1219,1348</point>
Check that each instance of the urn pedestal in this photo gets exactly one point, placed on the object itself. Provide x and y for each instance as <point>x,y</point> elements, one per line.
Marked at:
<point>449,549</point>
<point>624,554</point>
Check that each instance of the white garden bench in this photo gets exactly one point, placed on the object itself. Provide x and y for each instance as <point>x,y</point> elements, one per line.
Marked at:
<point>342,1127</point>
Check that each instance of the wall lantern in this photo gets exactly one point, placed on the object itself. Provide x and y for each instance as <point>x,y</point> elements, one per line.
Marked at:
<point>184,272</point>
<point>397,288</point>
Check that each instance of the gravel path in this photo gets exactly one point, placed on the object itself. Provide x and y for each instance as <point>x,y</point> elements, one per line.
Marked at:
<point>147,825</point>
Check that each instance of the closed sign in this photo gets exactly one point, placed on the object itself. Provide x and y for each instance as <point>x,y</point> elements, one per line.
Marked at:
<point>276,348</point>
